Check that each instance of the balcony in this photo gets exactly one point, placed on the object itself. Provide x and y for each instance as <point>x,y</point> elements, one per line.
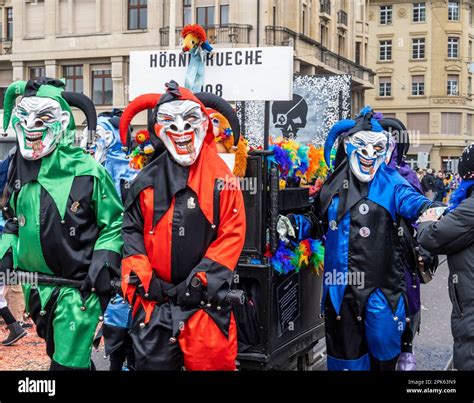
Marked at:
<point>6,46</point>
<point>282,36</point>
<point>342,18</point>
<point>325,7</point>
<point>216,34</point>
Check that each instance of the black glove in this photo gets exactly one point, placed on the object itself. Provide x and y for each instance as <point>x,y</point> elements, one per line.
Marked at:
<point>98,282</point>
<point>156,291</point>
<point>192,295</point>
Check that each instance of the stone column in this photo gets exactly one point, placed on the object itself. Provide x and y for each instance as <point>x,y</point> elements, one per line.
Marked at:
<point>51,68</point>
<point>118,82</point>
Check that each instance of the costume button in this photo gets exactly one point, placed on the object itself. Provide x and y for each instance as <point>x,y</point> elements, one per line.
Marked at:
<point>21,220</point>
<point>364,232</point>
<point>338,317</point>
<point>359,318</point>
<point>364,209</point>
<point>172,340</point>
<point>42,313</point>
<point>333,225</point>
<point>83,308</point>
<point>142,325</point>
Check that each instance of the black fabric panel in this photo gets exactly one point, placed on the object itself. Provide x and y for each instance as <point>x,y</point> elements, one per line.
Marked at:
<point>345,338</point>
<point>347,186</point>
<point>377,256</point>
<point>166,177</point>
<point>151,344</point>
<point>132,231</point>
<point>191,235</point>
<point>68,247</point>
<point>6,263</point>
<point>44,323</point>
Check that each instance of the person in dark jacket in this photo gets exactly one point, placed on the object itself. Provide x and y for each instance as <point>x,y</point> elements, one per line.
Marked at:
<point>428,184</point>
<point>440,187</point>
<point>453,235</point>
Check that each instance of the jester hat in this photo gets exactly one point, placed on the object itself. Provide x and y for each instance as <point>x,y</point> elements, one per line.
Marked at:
<point>175,93</point>
<point>367,120</point>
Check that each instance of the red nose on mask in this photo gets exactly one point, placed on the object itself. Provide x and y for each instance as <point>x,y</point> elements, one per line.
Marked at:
<point>186,49</point>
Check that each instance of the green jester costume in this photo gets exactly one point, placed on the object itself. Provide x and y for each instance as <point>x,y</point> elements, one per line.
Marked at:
<point>63,220</point>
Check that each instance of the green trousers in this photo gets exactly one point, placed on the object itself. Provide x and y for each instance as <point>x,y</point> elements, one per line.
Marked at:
<point>66,322</point>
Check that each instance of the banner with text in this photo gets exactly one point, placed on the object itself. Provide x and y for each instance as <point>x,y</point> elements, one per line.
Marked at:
<point>237,74</point>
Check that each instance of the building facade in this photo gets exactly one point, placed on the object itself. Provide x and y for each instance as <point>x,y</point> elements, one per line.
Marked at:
<point>422,54</point>
<point>88,41</point>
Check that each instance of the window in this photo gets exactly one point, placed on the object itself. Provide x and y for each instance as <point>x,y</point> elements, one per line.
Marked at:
<point>303,18</point>
<point>187,12</point>
<point>74,78</point>
<point>341,44</point>
<point>385,15</point>
<point>9,23</point>
<point>34,19</point>
<point>2,96</point>
<point>385,86</point>
<point>453,84</point>
<point>419,12</point>
<point>419,122</point>
<point>357,52</point>
<point>450,123</point>
<point>225,14</point>
<point>453,47</point>
<point>324,32</point>
<point>453,10</point>
<point>137,14</point>
<point>418,85</point>
<point>205,15</point>
<point>102,87</point>
<point>385,50</point>
<point>36,72</point>
<point>325,6</point>
<point>469,118</point>
<point>418,48</point>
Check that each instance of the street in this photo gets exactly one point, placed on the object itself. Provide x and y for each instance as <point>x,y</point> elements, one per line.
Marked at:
<point>433,346</point>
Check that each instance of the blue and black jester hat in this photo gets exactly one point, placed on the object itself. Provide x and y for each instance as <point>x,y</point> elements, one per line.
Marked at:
<point>366,120</point>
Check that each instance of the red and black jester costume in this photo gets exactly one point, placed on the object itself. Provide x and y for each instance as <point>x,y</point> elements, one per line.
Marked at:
<point>184,230</point>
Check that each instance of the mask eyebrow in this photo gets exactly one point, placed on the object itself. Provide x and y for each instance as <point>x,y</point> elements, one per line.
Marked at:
<point>193,109</point>
<point>45,110</point>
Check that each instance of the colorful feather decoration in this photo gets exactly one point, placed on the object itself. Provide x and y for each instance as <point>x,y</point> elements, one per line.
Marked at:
<point>294,257</point>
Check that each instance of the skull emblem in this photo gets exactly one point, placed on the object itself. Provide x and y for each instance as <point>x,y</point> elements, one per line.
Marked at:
<point>290,116</point>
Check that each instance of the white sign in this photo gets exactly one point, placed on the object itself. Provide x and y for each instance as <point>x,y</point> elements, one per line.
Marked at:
<point>423,159</point>
<point>237,74</point>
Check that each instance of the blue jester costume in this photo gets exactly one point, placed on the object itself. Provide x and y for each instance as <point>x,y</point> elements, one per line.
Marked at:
<point>107,149</point>
<point>361,205</point>
<point>64,219</point>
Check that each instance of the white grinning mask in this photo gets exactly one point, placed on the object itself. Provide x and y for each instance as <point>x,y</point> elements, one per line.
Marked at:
<point>366,151</point>
<point>39,123</point>
<point>183,129</point>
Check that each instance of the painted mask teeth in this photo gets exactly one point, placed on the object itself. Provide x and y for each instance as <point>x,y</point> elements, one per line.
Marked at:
<point>33,136</point>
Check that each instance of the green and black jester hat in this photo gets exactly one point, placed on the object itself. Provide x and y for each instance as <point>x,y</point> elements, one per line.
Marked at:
<point>43,119</point>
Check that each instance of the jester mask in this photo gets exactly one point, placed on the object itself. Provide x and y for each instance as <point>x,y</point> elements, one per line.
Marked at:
<point>182,127</point>
<point>179,121</point>
<point>43,118</point>
<point>365,140</point>
<point>366,151</point>
<point>39,124</point>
